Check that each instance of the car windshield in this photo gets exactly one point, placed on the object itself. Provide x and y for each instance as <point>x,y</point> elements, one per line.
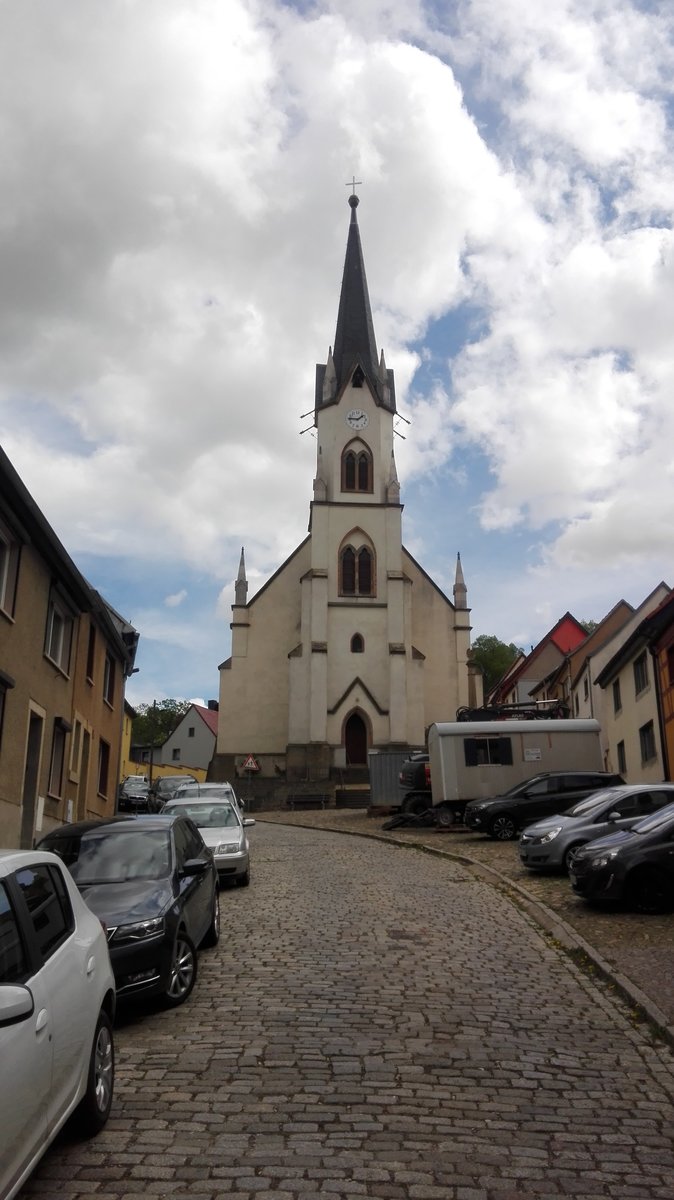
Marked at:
<point>207,816</point>
<point>590,803</point>
<point>103,856</point>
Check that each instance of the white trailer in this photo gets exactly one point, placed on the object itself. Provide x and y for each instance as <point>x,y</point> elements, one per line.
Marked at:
<point>473,760</point>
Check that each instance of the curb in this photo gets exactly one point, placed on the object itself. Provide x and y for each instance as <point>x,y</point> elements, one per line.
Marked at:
<point>549,920</point>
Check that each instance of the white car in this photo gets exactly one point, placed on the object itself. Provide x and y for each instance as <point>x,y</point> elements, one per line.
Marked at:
<point>223,829</point>
<point>209,791</point>
<point>57,1006</point>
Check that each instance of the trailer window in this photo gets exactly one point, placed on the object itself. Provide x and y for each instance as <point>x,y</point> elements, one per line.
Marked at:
<point>492,751</point>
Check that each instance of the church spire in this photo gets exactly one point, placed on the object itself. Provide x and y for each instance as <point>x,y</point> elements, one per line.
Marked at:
<point>355,343</point>
<point>354,338</point>
<point>460,589</point>
<point>241,585</point>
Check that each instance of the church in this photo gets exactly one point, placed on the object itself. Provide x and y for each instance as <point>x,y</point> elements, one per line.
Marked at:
<point>349,647</point>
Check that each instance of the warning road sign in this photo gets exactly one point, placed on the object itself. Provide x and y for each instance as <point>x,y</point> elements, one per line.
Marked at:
<point>251,764</point>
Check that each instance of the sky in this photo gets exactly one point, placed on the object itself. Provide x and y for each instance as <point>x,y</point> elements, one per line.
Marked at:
<point>172,235</point>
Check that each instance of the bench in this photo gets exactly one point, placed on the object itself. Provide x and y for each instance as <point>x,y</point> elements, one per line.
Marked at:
<point>307,800</point>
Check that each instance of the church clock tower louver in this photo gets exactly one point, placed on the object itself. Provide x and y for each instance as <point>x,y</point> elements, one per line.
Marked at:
<point>350,646</point>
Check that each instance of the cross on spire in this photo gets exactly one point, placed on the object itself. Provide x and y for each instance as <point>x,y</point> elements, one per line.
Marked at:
<point>354,184</point>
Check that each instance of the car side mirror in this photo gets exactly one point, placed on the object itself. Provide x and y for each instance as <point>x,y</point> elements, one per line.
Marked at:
<point>16,1004</point>
<point>614,816</point>
<point>196,866</point>
<point>248,821</point>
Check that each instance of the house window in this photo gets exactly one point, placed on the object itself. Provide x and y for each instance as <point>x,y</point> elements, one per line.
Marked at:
<point>670,665</point>
<point>647,742</point>
<point>640,673</point>
<point>576,704</point>
<point>586,688</point>
<point>175,755</point>
<point>356,471</point>
<point>9,569</point>
<point>103,767</point>
<point>190,731</point>
<point>622,758</point>
<point>357,644</point>
<point>109,680</point>
<point>59,634</point>
<point>58,753</point>
<point>356,572</point>
<point>91,652</point>
<point>617,702</point>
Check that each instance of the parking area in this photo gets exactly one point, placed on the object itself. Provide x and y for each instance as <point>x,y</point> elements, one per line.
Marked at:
<point>383,1024</point>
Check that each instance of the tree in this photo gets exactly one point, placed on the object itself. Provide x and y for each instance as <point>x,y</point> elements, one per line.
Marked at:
<point>155,722</point>
<point>493,657</point>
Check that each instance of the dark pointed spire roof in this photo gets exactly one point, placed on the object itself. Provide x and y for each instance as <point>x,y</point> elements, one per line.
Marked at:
<point>355,342</point>
<point>354,338</point>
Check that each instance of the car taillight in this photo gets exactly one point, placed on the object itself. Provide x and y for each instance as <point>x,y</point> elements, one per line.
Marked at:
<point>427,774</point>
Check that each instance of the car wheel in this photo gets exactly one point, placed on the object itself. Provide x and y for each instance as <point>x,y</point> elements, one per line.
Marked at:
<point>243,880</point>
<point>503,828</point>
<point>445,816</point>
<point>94,1107</point>
<point>569,855</point>
<point>416,803</point>
<point>650,891</point>
<point>212,936</point>
<point>183,970</point>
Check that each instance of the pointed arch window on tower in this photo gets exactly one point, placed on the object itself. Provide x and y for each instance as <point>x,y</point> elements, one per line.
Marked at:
<point>356,471</point>
<point>356,573</point>
<point>357,644</point>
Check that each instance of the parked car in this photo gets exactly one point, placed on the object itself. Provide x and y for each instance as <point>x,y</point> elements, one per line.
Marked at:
<point>415,781</point>
<point>210,791</point>
<point>552,842</point>
<point>134,794</point>
<point>224,832</point>
<point>152,881</point>
<point>57,1006</point>
<point>543,795</point>
<point>165,787</point>
<point>633,865</point>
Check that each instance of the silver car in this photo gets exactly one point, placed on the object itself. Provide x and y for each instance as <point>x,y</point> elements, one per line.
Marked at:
<point>224,831</point>
<point>550,844</point>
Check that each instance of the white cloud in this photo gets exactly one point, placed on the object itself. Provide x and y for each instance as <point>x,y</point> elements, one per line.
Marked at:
<point>171,244</point>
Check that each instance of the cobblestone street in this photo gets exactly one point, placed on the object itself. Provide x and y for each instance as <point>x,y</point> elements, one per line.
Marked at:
<point>379,1022</point>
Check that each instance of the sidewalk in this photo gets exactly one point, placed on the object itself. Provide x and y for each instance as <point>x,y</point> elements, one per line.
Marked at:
<point>634,952</point>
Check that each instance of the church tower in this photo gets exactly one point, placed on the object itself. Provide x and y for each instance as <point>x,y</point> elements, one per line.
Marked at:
<point>350,646</point>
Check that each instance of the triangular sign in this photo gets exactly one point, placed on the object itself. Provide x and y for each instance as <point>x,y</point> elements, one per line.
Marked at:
<point>250,764</point>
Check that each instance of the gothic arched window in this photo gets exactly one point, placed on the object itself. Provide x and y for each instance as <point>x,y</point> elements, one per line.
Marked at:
<point>357,644</point>
<point>356,571</point>
<point>356,470</point>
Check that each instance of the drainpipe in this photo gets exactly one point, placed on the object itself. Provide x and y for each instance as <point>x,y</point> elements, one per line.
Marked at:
<point>661,719</point>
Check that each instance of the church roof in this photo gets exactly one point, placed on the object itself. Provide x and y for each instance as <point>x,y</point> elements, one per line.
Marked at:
<point>354,337</point>
<point>355,342</point>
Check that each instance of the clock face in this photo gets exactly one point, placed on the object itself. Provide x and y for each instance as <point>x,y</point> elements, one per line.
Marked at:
<point>357,419</point>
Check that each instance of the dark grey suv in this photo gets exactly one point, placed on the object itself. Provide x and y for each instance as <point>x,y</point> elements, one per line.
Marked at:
<point>544,795</point>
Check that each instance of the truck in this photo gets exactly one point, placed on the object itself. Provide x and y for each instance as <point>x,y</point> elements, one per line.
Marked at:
<point>473,760</point>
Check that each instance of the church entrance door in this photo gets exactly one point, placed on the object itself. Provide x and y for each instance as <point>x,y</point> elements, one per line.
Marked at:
<point>355,741</point>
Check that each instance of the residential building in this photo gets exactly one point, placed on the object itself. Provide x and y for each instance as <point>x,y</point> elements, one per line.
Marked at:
<point>631,725</point>
<point>191,746</point>
<point>65,655</point>
<point>527,672</point>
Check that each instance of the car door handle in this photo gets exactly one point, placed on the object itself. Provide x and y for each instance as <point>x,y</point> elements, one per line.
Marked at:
<point>91,966</point>
<point>42,1020</point>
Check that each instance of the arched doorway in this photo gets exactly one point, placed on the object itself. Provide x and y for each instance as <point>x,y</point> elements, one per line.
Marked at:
<point>355,741</point>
